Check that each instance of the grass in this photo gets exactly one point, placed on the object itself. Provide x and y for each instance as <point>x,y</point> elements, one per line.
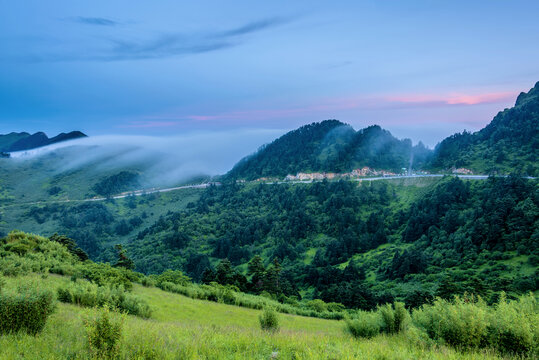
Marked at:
<point>183,328</point>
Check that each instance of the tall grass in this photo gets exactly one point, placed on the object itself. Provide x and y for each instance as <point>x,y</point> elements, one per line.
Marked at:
<point>390,319</point>
<point>269,320</point>
<point>86,294</point>
<point>25,309</point>
<point>104,333</point>
<point>228,295</point>
<point>467,322</point>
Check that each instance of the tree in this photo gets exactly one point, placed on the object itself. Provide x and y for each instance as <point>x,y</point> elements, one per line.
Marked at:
<point>256,270</point>
<point>123,260</point>
<point>271,281</point>
<point>71,246</point>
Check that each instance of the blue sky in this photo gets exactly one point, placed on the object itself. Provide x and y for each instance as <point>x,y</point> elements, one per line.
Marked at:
<point>422,69</point>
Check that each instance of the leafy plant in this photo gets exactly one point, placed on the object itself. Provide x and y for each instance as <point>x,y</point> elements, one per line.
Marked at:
<point>269,321</point>
<point>104,333</point>
<point>25,309</point>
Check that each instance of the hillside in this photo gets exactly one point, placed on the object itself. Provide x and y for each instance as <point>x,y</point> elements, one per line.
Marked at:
<point>24,141</point>
<point>509,143</point>
<point>330,146</point>
<point>363,244</point>
<point>159,323</point>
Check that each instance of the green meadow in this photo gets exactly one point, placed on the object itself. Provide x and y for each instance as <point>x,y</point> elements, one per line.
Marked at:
<point>183,328</point>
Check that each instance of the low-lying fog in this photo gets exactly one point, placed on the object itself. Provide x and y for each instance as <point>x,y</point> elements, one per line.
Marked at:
<point>162,160</point>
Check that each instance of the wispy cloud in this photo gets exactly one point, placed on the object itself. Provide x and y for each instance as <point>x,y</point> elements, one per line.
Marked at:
<point>94,21</point>
<point>150,47</point>
<point>161,47</point>
<point>255,26</point>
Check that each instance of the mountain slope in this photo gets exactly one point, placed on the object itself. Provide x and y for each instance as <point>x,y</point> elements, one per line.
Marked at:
<point>509,143</point>
<point>330,146</point>
<point>25,141</point>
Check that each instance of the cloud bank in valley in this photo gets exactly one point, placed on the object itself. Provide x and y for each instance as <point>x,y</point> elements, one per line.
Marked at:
<point>161,160</point>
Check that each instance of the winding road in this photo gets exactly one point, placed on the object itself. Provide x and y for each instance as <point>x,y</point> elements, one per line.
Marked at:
<point>205,185</point>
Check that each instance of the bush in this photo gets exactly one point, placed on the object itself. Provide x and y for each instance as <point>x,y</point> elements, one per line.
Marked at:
<point>25,310</point>
<point>317,305</point>
<point>269,320</point>
<point>173,276</point>
<point>365,325</point>
<point>104,333</point>
<point>461,322</point>
<point>514,326</point>
<point>2,283</point>
<point>90,295</point>
<point>395,317</point>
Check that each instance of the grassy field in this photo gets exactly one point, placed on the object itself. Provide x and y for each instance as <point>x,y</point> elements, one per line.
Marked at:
<point>183,328</point>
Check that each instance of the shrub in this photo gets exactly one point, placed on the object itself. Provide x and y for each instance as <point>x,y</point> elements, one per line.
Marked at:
<point>25,310</point>
<point>513,326</point>
<point>317,305</point>
<point>461,322</point>
<point>2,283</point>
<point>269,321</point>
<point>104,333</point>
<point>148,281</point>
<point>365,325</point>
<point>173,276</point>
<point>395,317</point>
<point>90,295</point>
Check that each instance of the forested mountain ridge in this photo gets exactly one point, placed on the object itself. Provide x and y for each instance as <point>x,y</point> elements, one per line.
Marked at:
<point>509,143</point>
<point>330,146</point>
<point>25,141</point>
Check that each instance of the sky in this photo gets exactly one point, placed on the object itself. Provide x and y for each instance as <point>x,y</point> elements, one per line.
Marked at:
<point>421,69</point>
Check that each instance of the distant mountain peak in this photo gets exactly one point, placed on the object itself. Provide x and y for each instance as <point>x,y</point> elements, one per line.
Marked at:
<point>524,97</point>
<point>24,141</point>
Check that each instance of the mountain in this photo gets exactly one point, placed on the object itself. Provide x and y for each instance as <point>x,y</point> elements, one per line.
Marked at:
<point>330,146</point>
<point>25,141</point>
<point>509,143</point>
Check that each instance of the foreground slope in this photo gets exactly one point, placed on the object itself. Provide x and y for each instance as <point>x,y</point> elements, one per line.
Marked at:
<point>177,327</point>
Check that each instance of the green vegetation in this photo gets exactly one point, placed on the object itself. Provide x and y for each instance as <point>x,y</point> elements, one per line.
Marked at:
<point>269,320</point>
<point>183,327</point>
<point>375,242</point>
<point>510,326</point>
<point>330,146</point>
<point>92,295</point>
<point>104,335</point>
<point>117,183</point>
<point>25,309</point>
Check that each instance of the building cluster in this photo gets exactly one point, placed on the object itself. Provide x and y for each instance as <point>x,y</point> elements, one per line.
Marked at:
<point>462,171</point>
<point>364,171</point>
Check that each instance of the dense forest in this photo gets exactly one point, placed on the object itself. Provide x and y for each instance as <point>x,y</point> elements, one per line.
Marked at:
<point>361,243</point>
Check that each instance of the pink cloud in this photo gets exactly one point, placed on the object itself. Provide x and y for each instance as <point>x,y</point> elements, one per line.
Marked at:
<point>454,99</point>
<point>333,107</point>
